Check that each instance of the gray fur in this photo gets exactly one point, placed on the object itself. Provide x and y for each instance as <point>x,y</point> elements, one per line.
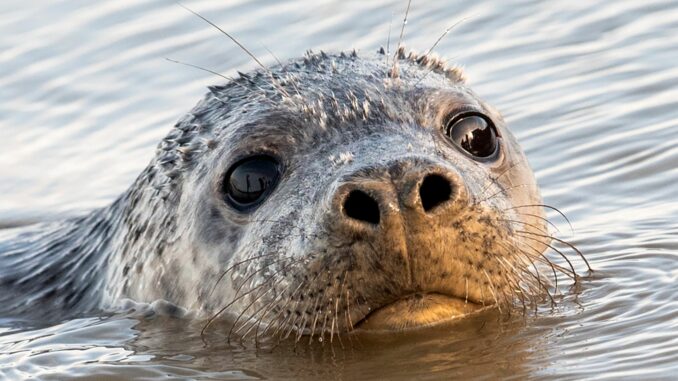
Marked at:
<point>334,120</point>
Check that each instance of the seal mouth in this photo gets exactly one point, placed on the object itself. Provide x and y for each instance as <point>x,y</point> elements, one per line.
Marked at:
<point>418,310</point>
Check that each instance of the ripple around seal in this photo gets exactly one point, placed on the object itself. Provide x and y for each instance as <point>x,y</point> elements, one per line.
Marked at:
<point>589,88</point>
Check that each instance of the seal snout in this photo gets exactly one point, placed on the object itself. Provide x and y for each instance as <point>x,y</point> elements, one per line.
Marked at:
<point>360,206</point>
<point>396,222</point>
<point>424,189</point>
<point>434,190</point>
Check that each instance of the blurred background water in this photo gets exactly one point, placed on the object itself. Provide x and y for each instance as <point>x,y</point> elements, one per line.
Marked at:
<point>590,89</point>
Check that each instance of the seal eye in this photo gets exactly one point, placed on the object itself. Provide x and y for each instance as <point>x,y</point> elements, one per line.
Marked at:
<point>250,180</point>
<point>475,133</point>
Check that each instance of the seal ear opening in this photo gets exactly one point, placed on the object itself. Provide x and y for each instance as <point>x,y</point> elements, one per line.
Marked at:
<point>360,206</point>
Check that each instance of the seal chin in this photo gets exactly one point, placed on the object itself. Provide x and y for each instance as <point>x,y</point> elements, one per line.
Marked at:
<point>418,310</point>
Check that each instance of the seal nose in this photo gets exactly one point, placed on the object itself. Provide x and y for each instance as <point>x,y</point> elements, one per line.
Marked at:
<point>420,189</point>
<point>434,190</point>
<point>360,206</point>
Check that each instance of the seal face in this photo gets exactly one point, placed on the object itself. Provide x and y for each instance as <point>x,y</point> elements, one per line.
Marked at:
<point>331,192</point>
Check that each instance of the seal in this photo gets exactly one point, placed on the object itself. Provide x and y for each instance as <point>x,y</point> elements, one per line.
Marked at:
<point>313,197</point>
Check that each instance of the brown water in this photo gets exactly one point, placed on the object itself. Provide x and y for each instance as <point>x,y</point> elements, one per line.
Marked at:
<point>590,89</point>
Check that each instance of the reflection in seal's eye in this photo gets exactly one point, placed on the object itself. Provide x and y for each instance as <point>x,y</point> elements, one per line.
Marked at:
<point>474,133</point>
<point>250,180</point>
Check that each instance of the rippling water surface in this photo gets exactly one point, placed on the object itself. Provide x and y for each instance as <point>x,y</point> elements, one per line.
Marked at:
<point>590,89</point>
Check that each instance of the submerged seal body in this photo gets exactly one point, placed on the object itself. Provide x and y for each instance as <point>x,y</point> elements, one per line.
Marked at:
<point>315,196</point>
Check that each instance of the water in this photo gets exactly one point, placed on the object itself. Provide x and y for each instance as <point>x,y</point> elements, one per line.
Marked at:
<point>590,89</point>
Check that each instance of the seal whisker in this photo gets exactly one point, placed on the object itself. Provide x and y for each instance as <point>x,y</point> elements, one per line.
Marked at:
<point>501,192</point>
<point>241,46</point>
<point>541,258</point>
<point>229,79</point>
<point>571,246</point>
<point>254,300</point>
<point>562,255</point>
<point>515,287</point>
<point>526,293</point>
<point>445,33</point>
<point>276,319</point>
<point>492,180</point>
<point>315,319</point>
<point>291,324</point>
<point>536,275</point>
<point>234,266</point>
<point>323,330</point>
<point>261,269</point>
<point>289,299</point>
<point>271,305</point>
<point>492,290</point>
<point>300,331</point>
<point>236,298</point>
<point>432,69</point>
<point>335,318</point>
<point>292,82</point>
<point>537,228</point>
<point>541,218</point>
<point>520,288</point>
<point>533,262</point>
<point>291,320</point>
<point>258,319</point>
<point>482,293</point>
<point>345,295</point>
<point>267,307</point>
<point>347,313</point>
<point>388,39</point>
<point>394,70</point>
<point>232,330</point>
<point>301,233</point>
<point>545,206</point>
<point>466,287</point>
<point>332,329</point>
<point>326,310</point>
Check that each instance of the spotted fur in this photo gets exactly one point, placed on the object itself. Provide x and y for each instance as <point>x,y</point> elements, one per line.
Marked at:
<point>290,267</point>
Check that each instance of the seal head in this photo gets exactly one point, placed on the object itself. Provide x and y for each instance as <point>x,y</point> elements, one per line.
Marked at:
<point>313,195</point>
<point>327,193</point>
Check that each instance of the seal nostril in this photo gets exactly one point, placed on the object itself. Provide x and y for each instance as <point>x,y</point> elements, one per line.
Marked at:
<point>360,206</point>
<point>434,191</point>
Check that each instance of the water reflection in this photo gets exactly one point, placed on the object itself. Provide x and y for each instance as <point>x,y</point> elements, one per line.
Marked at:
<point>589,89</point>
<point>463,349</point>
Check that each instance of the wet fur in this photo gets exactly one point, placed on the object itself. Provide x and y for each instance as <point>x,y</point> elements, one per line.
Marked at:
<point>289,268</point>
